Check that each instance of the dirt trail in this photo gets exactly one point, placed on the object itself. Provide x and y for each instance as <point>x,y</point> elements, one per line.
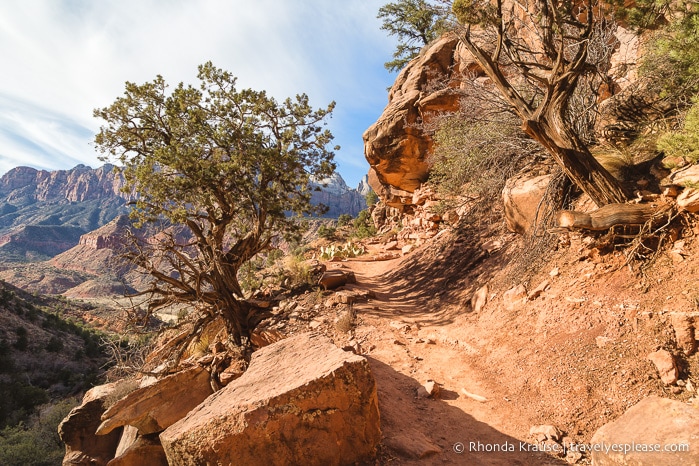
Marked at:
<point>410,338</point>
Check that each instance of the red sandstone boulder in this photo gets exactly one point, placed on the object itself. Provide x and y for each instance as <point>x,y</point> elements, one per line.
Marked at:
<point>154,407</point>
<point>77,430</point>
<point>301,401</point>
<point>669,424</point>
<point>521,197</point>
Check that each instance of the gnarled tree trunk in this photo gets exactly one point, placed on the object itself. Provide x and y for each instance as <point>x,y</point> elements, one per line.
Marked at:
<point>577,163</point>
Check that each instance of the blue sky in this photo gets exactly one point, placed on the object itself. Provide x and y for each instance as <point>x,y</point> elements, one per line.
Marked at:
<point>63,58</point>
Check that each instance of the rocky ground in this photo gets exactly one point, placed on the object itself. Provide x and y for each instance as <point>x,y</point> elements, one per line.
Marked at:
<point>511,341</point>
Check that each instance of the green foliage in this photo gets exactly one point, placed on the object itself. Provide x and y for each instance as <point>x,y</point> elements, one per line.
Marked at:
<point>54,345</point>
<point>371,198</point>
<point>364,225</point>
<point>21,343</point>
<point>641,14</point>
<point>683,143</point>
<point>274,255</point>
<point>480,12</point>
<point>226,165</point>
<point>343,220</point>
<point>297,271</point>
<point>17,400</point>
<point>326,232</point>
<point>415,23</point>
<point>671,61</point>
<point>38,443</point>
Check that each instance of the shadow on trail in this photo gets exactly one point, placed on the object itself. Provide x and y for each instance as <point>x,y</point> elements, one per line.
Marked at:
<point>432,432</point>
<point>434,284</point>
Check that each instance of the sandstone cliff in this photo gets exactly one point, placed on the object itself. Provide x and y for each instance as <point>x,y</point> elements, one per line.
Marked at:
<point>79,184</point>
<point>399,144</point>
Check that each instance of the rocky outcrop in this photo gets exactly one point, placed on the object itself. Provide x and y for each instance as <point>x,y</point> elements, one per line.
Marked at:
<point>109,236</point>
<point>521,198</point>
<point>153,407</point>
<point>395,146</point>
<point>145,450</point>
<point>670,426</point>
<point>398,148</point>
<point>77,431</point>
<point>301,401</point>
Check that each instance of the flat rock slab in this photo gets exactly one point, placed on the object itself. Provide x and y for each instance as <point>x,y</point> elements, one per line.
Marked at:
<point>301,401</point>
<point>154,407</point>
<point>653,423</point>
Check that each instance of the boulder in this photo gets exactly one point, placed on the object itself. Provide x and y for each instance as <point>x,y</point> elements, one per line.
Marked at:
<point>521,197</point>
<point>145,450</point>
<point>77,430</point>
<point>301,401</point>
<point>514,297</point>
<point>684,176</point>
<point>154,407</point>
<point>654,421</point>
<point>336,278</point>
<point>665,364</point>
<point>395,146</point>
<point>688,200</point>
<point>683,325</point>
<point>479,298</point>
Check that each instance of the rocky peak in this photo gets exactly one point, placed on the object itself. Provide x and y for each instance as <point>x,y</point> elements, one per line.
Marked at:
<point>78,184</point>
<point>334,193</point>
<point>334,184</point>
<point>363,187</point>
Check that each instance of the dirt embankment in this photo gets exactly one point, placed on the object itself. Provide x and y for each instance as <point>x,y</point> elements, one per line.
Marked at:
<point>568,348</point>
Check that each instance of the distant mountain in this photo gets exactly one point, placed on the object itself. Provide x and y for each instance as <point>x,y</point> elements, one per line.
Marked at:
<point>45,213</point>
<point>334,193</point>
<point>363,188</point>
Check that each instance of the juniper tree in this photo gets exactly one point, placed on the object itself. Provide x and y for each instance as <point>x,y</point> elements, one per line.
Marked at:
<point>225,167</point>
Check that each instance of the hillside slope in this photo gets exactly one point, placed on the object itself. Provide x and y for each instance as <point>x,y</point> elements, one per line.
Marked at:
<point>46,353</point>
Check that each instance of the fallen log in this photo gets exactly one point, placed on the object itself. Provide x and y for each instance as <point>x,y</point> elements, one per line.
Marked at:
<point>612,215</point>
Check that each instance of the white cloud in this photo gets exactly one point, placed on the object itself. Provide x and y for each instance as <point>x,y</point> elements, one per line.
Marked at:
<point>63,58</point>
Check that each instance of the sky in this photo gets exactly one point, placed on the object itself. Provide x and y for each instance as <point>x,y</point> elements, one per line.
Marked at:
<point>61,59</point>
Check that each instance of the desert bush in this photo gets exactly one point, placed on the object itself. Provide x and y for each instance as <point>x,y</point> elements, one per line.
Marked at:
<point>371,198</point>
<point>363,225</point>
<point>54,345</point>
<point>671,62</point>
<point>475,154</point>
<point>326,232</point>
<point>685,142</point>
<point>296,271</point>
<point>36,443</point>
<point>343,220</point>
<point>22,342</point>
